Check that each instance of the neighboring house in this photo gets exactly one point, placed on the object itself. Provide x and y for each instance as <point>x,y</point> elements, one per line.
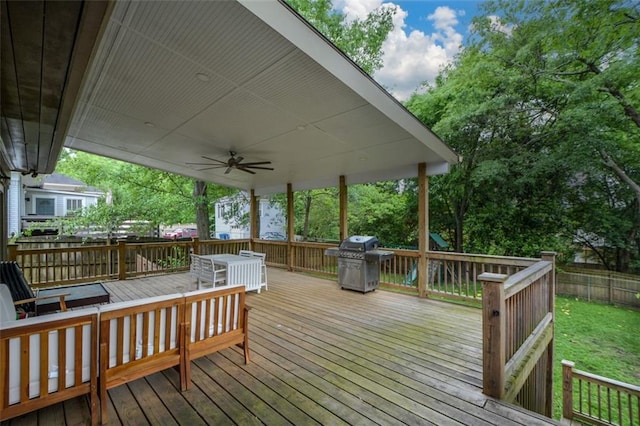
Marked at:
<point>586,245</point>
<point>39,199</point>
<point>232,223</point>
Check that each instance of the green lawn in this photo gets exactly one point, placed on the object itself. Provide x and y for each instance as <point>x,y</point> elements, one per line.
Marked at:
<point>600,339</point>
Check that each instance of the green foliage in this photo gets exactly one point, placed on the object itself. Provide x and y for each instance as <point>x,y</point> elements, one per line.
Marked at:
<point>138,193</point>
<point>600,339</point>
<point>381,209</point>
<point>360,39</point>
<point>537,97</point>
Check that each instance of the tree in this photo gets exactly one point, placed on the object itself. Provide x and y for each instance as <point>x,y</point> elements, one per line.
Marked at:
<point>140,193</point>
<point>540,92</point>
<point>360,39</point>
<point>588,51</point>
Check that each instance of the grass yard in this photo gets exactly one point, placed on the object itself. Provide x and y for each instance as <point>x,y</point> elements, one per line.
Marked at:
<point>600,339</point>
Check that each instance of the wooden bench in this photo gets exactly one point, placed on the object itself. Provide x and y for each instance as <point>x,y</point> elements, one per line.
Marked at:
<point>47,360</point>
<point>141,337</point>
<point>215,320</point>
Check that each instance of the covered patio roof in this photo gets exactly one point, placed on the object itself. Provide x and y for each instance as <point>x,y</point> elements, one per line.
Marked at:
<point>170,82</point>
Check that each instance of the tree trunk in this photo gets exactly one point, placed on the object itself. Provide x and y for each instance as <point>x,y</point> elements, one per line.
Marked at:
<point>202,209</point>
<point>307,212</point>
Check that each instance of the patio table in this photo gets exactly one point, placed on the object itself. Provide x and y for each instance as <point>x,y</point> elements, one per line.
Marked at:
<point>240,269</point>
<point>78,295</point>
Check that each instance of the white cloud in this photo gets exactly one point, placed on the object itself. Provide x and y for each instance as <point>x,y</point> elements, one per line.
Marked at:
<point>411,57</point>
<point>356,8</point>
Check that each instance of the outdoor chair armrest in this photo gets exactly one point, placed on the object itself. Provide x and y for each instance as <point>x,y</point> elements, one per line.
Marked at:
<point>61,296</point>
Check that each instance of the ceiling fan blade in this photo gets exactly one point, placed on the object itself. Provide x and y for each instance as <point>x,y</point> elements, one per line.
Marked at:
<point>246,170</point>
<point>226,172</point>
<point>213,159</point>
<point>256,163</point>
<point>256,167</point>
<point>215,166</point>
<point>239,159</point>
<point>203,164</point>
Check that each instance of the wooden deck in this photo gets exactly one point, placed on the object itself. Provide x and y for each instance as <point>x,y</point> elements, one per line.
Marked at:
<point>319,355</point>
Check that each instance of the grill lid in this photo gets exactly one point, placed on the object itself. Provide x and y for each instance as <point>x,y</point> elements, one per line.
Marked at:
<point>359,243</point>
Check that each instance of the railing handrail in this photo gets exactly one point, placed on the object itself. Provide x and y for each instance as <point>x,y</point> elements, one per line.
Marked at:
<point>613,415</point>
<point>511,352</point>
<point>520,280</point>
<point>605,381</point>
<point>66,249</point>
<point>483,258</point>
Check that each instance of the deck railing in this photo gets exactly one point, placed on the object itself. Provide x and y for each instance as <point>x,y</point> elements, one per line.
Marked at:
<point>457,274</point>
<point>517,294</point>
<point>46,267</point>
<point>453,275</point>
<point>598,400</point>
<point>517,328</point>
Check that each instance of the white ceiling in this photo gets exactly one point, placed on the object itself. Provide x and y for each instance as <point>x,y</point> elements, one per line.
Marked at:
<point>275,91</point>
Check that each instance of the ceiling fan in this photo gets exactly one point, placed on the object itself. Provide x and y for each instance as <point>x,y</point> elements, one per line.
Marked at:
<point>232,163</point>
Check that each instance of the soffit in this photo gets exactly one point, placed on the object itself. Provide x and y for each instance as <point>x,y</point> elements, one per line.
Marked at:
<point>275,91</point>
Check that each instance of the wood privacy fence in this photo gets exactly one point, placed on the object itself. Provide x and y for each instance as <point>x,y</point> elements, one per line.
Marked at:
<point>597,400</point>
<point>517,330</point>
<point>608,288</point>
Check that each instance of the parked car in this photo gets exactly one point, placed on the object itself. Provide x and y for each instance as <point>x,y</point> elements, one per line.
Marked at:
<point>181,233</point>
<point>273,236</point>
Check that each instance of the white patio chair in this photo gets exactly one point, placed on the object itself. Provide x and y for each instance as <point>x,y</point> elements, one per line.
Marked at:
<point>208,272</point>
<point>263,278</point>
<point>196,266</point>
<point>245,253</point>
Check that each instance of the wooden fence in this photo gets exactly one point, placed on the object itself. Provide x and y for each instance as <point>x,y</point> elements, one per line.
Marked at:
<point>609,288</point>
<point>597,400</point>
<point>517,330</point>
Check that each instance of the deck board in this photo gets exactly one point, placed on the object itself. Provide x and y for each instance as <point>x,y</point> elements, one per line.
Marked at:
<point>319,355</point>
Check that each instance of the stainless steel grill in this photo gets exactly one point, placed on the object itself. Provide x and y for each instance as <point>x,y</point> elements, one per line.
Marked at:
<point>359,262</point>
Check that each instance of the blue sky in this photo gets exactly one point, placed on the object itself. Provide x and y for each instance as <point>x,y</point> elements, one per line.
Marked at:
<point>418,10</point>
<point>427,35</point>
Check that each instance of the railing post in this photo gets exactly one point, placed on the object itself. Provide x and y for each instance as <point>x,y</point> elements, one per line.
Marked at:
<point>493,334</point>
<point>551,257</point>
<point>195,242</point>
<point>122,260</point>
<point>567,389</point>
<point>12,252</point>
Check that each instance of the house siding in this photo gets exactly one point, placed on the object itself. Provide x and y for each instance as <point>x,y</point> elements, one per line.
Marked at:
<point>14,204</point>
<point>22,202</point>
<point>271,219</point>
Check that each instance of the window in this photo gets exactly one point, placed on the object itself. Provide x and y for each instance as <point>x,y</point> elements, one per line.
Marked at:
<point>46,206</point>
<point>73,204</point>
<point>221,210</point>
